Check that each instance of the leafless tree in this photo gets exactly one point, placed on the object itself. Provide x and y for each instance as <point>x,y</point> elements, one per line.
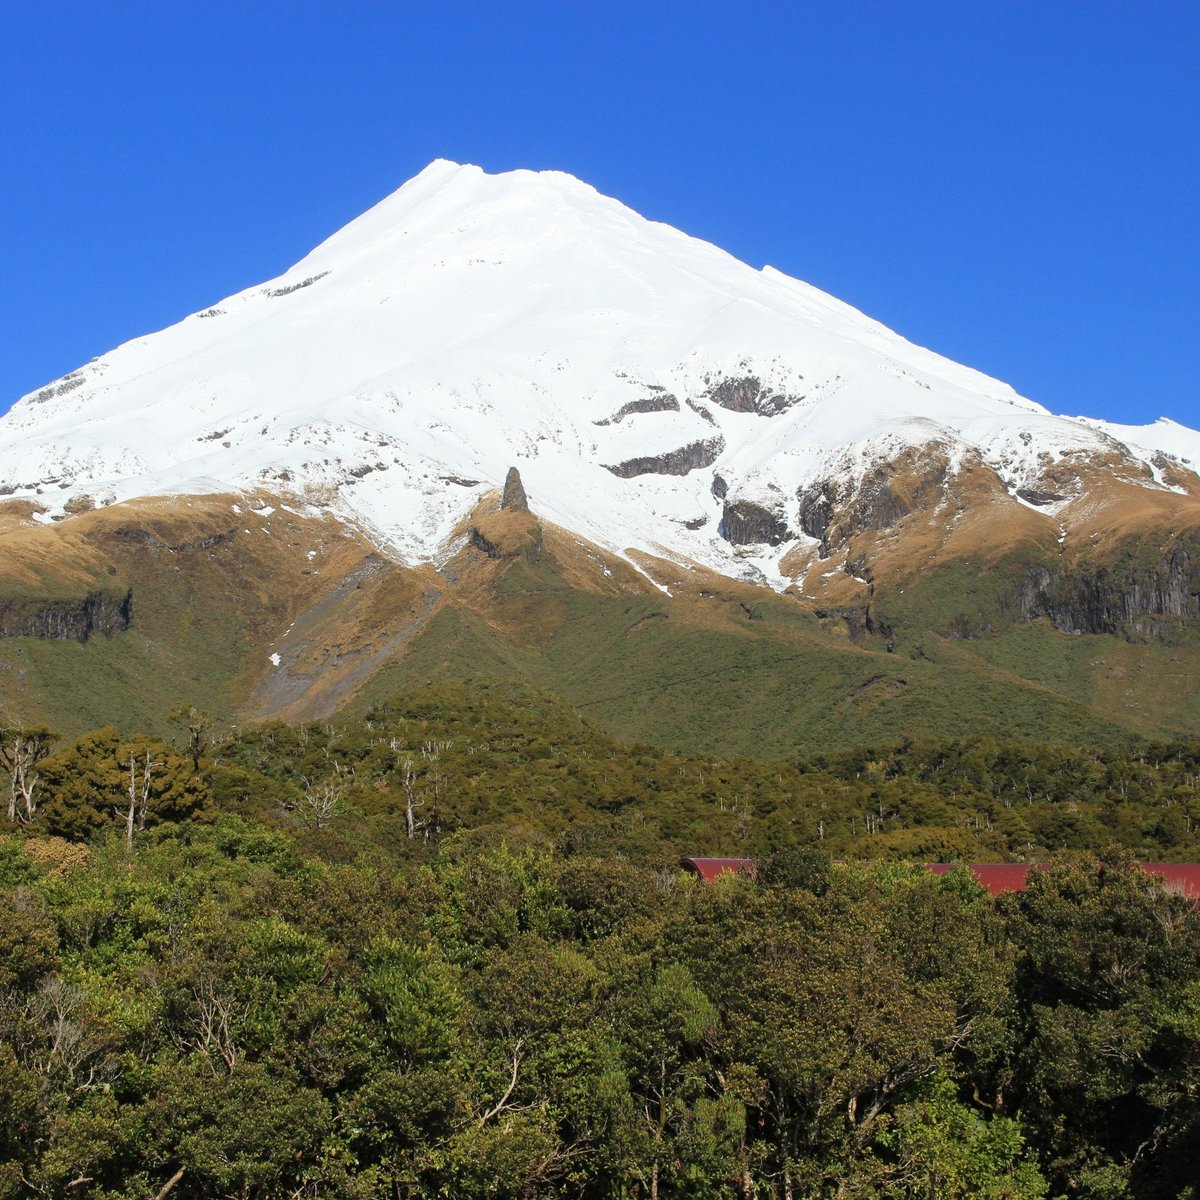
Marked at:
<point>217,1014</point>
<point>431,752</point>
<point>411,803</point>
<point>20,752</point>
<point>320,804</point>
<point>139,796</point>
<point>58,1012</point>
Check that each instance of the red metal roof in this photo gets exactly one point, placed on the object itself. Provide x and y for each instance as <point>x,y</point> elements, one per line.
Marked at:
<point>1183,878</point>
<point>709,868</point>
<point>996,878</point>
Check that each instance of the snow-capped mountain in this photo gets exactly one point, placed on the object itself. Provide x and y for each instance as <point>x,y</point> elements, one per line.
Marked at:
<point>645,383</point>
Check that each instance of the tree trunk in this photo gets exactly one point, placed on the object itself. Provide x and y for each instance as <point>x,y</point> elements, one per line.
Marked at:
<point>131,815</point>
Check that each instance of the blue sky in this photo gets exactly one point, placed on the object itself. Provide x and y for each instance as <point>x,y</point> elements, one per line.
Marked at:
<point>1015,185</point>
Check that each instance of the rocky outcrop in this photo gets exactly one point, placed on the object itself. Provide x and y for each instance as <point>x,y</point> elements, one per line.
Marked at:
<point>745,523</point>
<point>674,462</point>
<point>1039,498</point>
<point>67,620</point>
<point>513,498</point>
<point>133,534</point>
<point>860,620</point>
<point>887,494</point>
<point>746,394</point>
<point>1138,596</point>
<point>60,387</point>
<point>891,491</point>
<point>510,531</point>
<point>288,289</point>
<point>664,402</point>
<point>511,544</point>
<point>817,503</point>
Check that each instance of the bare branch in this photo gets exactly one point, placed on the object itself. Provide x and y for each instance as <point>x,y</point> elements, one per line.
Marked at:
<point>169,1186</point>
<point>320,804</point>
<point>502,1103</point>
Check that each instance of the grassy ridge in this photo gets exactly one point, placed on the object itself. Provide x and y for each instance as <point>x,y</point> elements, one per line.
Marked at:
<point>712,677</point>
<point>715,666</point>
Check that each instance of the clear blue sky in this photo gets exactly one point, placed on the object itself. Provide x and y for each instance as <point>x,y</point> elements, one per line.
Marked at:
<point>1016,185</point>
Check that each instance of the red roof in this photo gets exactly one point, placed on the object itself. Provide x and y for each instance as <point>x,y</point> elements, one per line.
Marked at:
<point>1183,878</point>
<point>709,868</point>
<point>996,878</point>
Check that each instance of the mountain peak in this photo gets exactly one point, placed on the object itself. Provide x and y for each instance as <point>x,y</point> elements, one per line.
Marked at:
<point>658,395</point>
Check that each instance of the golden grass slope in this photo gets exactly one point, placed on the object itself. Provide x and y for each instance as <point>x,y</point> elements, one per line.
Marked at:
<point>254,606</point>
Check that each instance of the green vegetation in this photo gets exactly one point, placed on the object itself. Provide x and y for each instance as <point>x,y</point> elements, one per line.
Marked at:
<point>443,949</point>
<point>716,667</point>
<point>728,677</point>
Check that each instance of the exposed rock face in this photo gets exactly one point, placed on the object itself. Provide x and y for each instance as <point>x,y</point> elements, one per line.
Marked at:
<point>747,395</point>
<point>880,502</point>
<point>860,619</point>
<point>660,403</point>
<point>67,620</point>
<point>1040,498</point>
<point>1136,596</point>
<point>674,462</point>
<point>514,498</point>
<point>745,523</point>
<point>720,489</point>
<point>133,534</point>
<point>511,531</point>
<point>524,543</point>
<point>858,568</point>
<point>816,511</point>
<point>887,494</point>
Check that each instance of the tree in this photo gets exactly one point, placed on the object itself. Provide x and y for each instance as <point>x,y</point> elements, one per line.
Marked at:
<point>21,749</point>
<point>139,795</point>
<point>319,804</point>
<point>668,1026</point>
<point>1104,1068</point>
<point>936,1146</point>
<point>411,803</point>
<point>198,725</point>
<point>84,783</point>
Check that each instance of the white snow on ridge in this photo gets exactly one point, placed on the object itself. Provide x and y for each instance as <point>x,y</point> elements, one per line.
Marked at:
<point>471,322</point>
<point>1163,437</point>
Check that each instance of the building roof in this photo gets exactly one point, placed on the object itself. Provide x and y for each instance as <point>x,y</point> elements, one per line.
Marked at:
<point>709,868</point>
<point>996,878</point>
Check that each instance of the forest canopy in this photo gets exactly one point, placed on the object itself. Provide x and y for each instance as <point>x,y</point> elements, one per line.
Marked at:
<point>445,948</point>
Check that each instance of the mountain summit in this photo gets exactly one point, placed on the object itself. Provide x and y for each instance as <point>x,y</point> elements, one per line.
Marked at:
<point>502,429</point>
<point>656,394</point>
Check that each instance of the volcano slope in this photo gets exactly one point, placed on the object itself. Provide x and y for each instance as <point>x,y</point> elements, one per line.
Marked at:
<point>744,516</point>
<point>249,608</point>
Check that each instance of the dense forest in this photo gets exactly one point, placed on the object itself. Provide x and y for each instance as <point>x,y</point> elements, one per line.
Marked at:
<point>444,949</point>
